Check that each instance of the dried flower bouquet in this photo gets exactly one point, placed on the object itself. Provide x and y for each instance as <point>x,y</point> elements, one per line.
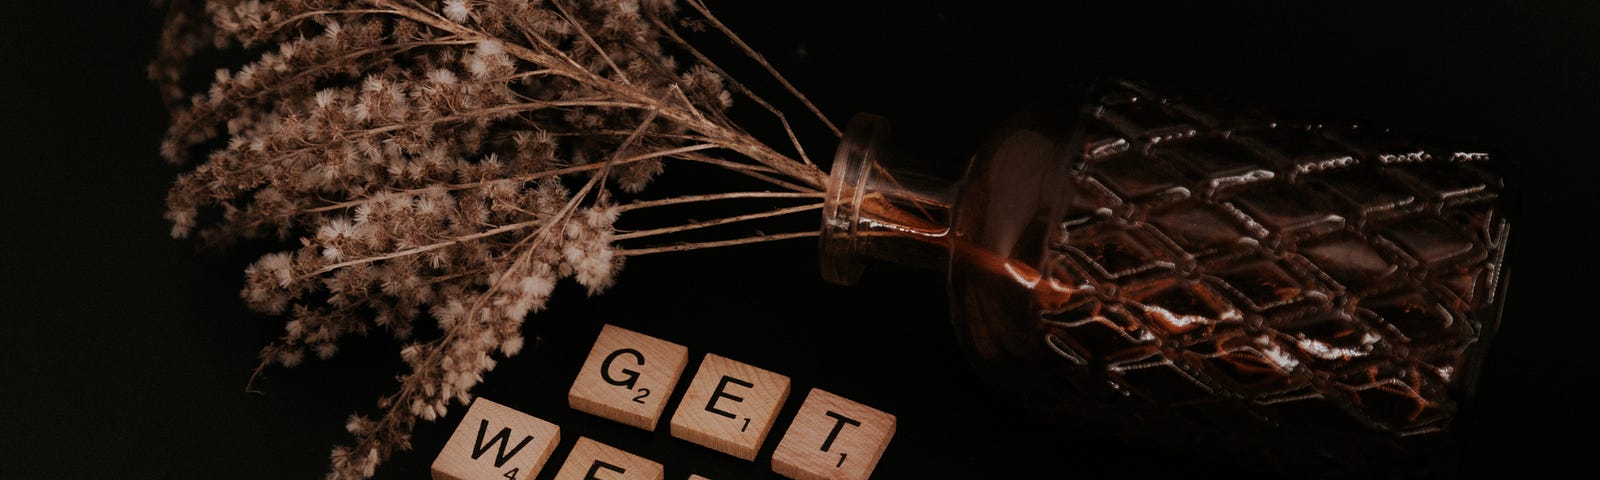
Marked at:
<point>449,162</point>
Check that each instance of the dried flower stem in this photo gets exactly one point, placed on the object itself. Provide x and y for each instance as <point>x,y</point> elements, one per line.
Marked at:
<point>524,178</point>
<point>753,171</point>
<point>701,57</point>
<point>450,161</point>
<point>732,139</point>
<point>712,197</point>
<point>683,247</point>
<point>751,52</point>
<point>715,222</point>
<point>541,222</point>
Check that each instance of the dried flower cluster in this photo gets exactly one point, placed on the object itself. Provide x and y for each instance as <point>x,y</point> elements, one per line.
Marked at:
<point>446,162</point>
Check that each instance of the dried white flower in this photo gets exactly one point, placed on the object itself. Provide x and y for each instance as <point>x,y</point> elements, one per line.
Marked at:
<point>450,170</point>
<point>456,10</point>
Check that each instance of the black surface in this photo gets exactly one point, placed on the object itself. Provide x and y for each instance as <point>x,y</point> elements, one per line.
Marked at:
<point>124,353</point>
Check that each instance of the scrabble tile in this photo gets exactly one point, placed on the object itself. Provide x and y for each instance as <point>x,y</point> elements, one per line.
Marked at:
<point>730,406</point>
<point>628,377</point>
<point>590,459</point>
<point>697,477</point>
<point>832,438</point>
<point>496,441</point>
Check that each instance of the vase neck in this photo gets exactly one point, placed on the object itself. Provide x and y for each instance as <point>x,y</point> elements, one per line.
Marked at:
<point>882,205</point>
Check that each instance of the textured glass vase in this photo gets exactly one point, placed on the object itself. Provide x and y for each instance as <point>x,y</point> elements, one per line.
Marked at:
<point>1202,275</point>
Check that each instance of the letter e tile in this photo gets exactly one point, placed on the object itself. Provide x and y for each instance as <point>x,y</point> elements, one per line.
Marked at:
<point>730,406</point>
<point>832,438</point>
<point>628,377</point>
<point>496,441</point>
<point>592,460</point>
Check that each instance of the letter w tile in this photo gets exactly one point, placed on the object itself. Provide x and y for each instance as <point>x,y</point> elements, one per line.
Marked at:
<point>503,438</point>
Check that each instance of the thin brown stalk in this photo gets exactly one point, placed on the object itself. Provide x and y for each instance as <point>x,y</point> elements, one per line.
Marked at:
<point>460,117</point>
<point>731,139</point>
<point>614,133</point>
<point>700,5</point>
<point>523,178</point>
<point>584,32</point>
<point>751,170</point>
<point>566,210</point>
<point>425,248</point>
<point>704,60</point>
<point>721,243</point>
<point>210,115</point>
<point>638,205</point>
<point>712,223</point>
<point>317,13</point>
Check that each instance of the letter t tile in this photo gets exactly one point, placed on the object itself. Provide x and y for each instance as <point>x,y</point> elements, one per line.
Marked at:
<point>833,438</point>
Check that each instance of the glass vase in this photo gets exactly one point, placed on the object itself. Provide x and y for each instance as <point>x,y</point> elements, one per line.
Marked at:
<point>1202,275</point>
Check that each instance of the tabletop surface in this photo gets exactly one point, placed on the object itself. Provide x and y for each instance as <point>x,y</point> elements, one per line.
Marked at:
<point>126,352</point>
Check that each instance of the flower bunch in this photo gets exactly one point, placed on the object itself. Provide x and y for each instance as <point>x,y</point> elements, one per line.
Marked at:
<point>447,162</point>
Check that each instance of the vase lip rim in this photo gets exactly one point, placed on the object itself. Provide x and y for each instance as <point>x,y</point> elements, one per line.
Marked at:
<point>864,137</point>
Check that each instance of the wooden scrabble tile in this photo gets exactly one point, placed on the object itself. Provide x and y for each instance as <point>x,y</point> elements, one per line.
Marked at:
<point>496,441</point>
<point>730,406</point>
<point>628,377</point>
<point>590,459</point>
<point>832,438</point>
<point>697,477</point>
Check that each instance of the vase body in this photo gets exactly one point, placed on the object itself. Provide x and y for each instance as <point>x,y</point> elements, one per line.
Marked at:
<point>1200,275</point>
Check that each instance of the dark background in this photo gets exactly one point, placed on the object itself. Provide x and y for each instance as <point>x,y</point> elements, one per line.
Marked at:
<point>124,352</point>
